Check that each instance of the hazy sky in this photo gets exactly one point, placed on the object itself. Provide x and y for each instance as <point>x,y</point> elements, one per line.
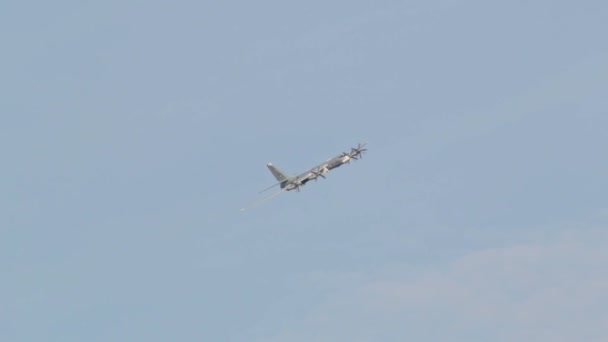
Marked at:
<point>132,132</point>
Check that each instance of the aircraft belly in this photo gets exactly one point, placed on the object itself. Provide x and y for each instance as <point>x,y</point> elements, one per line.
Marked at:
<point>334,165</point>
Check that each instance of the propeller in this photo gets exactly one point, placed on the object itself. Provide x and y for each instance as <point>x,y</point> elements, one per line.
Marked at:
<point>317,173</point>
<point>357,152</point>
<point>297,184</point>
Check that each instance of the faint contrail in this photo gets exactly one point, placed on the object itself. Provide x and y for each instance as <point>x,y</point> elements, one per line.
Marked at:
<point>264,199</point>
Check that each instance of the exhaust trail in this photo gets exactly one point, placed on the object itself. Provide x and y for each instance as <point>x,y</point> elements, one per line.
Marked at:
<point>264,199</point>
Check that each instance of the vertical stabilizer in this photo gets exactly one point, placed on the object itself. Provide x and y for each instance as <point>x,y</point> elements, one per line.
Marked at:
<point>280,176</point>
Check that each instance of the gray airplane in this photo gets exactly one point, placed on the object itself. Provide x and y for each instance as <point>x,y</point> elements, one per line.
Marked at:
<point>293,182</point>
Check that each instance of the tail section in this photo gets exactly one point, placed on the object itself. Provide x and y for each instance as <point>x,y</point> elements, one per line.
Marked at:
<point>280,176</point>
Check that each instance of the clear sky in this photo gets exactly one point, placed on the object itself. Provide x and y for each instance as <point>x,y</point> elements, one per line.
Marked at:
<point>132,132</point>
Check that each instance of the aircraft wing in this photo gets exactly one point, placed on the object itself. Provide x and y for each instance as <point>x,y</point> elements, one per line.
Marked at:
<point>313,172</point>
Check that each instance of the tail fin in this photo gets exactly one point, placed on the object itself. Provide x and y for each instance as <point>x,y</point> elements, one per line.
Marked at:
<point>280,176</point>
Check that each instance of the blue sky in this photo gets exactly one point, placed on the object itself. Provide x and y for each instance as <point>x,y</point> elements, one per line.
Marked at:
<point>132,133</point>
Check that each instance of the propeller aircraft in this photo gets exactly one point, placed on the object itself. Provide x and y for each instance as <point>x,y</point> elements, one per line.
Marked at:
<point>288,182</point>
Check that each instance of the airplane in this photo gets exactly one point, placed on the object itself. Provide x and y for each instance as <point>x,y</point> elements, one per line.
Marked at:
<point>288,182</point>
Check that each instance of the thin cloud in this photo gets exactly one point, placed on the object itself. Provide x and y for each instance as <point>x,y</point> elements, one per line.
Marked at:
<point>553,289</point>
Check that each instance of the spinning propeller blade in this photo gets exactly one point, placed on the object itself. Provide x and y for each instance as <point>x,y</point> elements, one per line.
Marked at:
<point>357,153</point>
